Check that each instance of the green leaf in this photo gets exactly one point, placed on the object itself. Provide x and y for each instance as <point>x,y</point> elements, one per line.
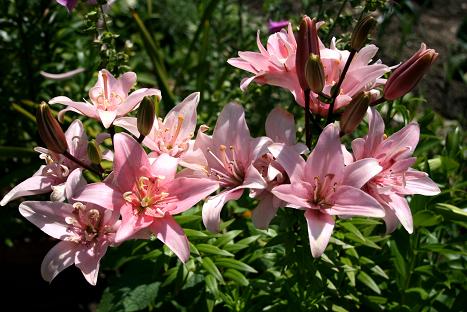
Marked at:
<point>398,261</point>
<point>234,264</point>
<point>452,212</point>
<point>211,284</point>
<point>191,234</point>
<point>209,266</point>
<point>368,281</point>
<point>226,237</point>
<point>214,250</point>
<point>236,276</point>
<point>420,291</point>
<point>186,219</point>
<point>425,218</point>
<point>141,297</point>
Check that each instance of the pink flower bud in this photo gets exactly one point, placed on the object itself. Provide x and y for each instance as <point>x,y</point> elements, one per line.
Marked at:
<point>146,116</point>
<point>354,112</point>
<point>361,31</point>
<point>307,43</point>
<point>50,131</point>
<point>407,75</point>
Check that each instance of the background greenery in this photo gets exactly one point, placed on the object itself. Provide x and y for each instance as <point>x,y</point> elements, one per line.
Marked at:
<point>182,47</point>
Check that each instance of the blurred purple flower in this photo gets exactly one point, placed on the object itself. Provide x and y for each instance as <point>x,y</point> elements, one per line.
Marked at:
<point>276,26</point>
<point>69,4</point>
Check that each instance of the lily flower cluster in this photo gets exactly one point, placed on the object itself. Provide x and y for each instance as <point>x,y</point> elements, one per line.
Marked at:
<point>163,167</point>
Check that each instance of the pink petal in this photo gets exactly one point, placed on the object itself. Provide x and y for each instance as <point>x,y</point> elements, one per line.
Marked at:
<point>350,201</point>
<point>135,98</point>
<point>290,160</point>
<point>265,211</point>
<point>417,182</point>
<point>187,109</point>
<point>107,117</point>
<point>327,156</point>
<point>102,195</point>
<point>297,194</point>
<point>320,227</point>
<point>405,139</point>
<point>253,179</point>
<point>401,209</point>
<point>170,233</point>
<point>189,191</point>
<point>84,108</point>
<point>258,61</point>
<point>75,183</point>
<point>375,132</point>
<point>213,206</point>
<point>258,147</point>
<point>358,149</point>
<point>357,174</point>
<point>57,259</point>
<point>127,81</point>
<point>280,126</point>
<point>165,166</point>
<point>391,220</point>
<point>48,216</point>
<point>242,64</point>
<point>62,76</point>
<point>231,130</point>
<point>131,223</point>
<point>34,185</point>
<point>77,139</point>
<point>87,259</point>
<point>130,162</point>
<point>348,157</point>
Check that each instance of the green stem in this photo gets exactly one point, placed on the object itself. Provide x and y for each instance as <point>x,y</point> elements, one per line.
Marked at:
<point>81,164</point>
<point>335,20</point>
<point>337,87</point>
<point>106,27</point>
<point>307,118</point>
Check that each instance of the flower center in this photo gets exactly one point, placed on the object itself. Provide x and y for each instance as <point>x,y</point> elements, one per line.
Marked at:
<point>230,170</point>
<point>148,197</point>
<point>169,140</point>
<point>322,190</point>
<point>103,98</point>
<point>85,223</point>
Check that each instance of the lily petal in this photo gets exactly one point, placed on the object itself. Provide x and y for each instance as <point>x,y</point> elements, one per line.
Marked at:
<point>320,227</point>
<point>170,233</point>
<point>57,259</point>
<point>213,206</point>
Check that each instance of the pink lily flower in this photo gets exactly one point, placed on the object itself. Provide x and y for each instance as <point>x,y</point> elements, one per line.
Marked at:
<point>280,127</point>
<point>276,66</point>
<point>85,230</point>
<point>109,98</point>
<point>228,156</point>
<point>273,65</point>
<point>53,175</point>
<point>323,187</point>
<point>172,135</point>
<point>397,179</point>
<point>147,195</point>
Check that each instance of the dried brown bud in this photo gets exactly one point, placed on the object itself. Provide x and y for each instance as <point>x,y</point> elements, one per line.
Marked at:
<point>361,31</point>
<point>354,112</point>
<point>146,116</point>
<point>314,73</point>
<point>49,130</point>
<point>307,43</point>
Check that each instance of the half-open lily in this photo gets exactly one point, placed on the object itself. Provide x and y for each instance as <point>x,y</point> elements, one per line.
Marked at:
<point>397,179</point>
<point>86,231</point>
<point>147,195</point>
<point>53,175</point>
<point>109,98</point>
<point>323,187</point>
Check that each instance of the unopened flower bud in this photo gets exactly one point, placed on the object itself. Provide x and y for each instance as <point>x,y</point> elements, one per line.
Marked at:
<point>307,43</point>
<point>354,112</point>
<point>146,116</point>
<point>94,153</point>
<point>49,130</point>
<point>314,73</point>
<point>407,75</point>
<point>361,31</point>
